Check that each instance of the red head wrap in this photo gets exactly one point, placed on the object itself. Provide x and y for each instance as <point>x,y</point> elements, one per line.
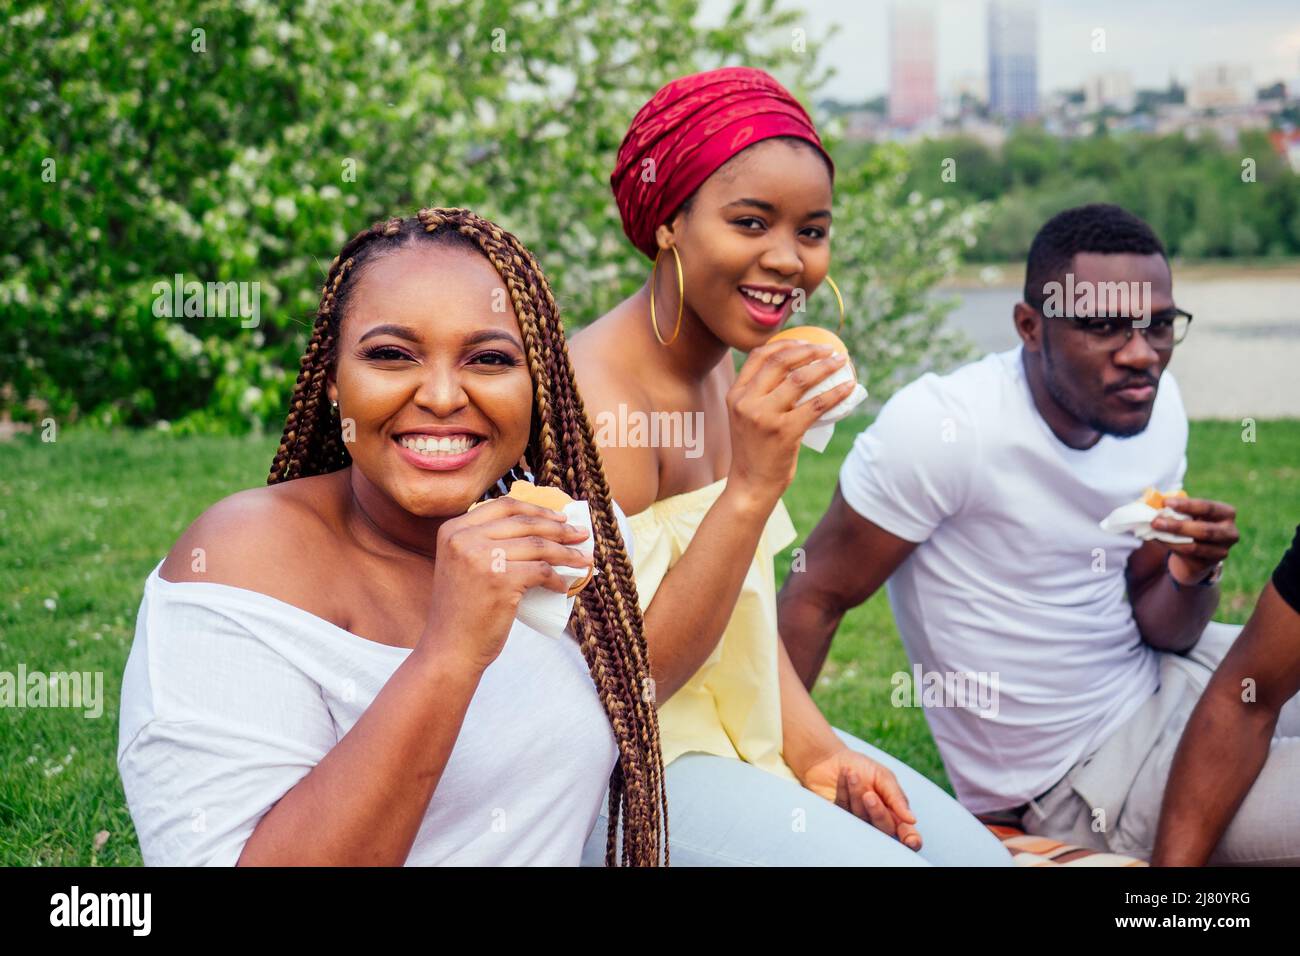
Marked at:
<point>690,128</point>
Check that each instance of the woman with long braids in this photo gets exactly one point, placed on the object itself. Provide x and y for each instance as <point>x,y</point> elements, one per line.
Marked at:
<point>329,669</point>
<point>722,182</point>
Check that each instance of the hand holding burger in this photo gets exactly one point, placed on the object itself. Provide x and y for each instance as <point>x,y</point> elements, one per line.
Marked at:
<point>819,434</point>
<point>546,607</point>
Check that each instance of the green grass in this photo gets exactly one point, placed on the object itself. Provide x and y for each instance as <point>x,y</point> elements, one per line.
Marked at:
<point>83,521</point>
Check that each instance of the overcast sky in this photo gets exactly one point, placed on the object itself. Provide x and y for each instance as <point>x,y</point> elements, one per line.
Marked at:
<point>1148,38</point>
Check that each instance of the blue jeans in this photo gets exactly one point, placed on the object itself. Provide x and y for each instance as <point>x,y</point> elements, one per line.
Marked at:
<point>725,812</point>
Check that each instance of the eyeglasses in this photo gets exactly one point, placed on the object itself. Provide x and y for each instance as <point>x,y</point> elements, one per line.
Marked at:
<point>1164,330</point>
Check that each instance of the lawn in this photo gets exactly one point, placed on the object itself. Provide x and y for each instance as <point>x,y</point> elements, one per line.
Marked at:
<point>87,517</point>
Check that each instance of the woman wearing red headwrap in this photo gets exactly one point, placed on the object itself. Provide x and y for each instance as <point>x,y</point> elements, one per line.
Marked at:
<point>722,181</point>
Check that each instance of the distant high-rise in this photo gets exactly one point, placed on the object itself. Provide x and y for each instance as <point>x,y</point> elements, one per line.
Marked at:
<point>913,83</point>
<point>1110,89</point>
<point>1013,58</point>
<point>1221,85</point>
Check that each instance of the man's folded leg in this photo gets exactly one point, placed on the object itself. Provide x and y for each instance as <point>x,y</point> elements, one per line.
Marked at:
<point>1265,830</point>
<point>1266,827</point>
<point>1135,762</point>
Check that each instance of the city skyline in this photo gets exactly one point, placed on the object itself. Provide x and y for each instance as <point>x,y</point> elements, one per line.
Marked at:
<point>1263,35</point>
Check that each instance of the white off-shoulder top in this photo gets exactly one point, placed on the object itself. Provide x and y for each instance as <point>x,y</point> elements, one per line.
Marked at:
<point>230,697</point>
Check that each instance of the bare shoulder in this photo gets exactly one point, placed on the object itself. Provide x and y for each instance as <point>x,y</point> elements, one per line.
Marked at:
<point>597,352</point>
<point>262,539</point>
<point>605,376</point>
<point>611,391</point>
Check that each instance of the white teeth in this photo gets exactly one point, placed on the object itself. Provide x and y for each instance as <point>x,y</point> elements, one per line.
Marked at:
<point>767,298</point>
<point>431,445</point>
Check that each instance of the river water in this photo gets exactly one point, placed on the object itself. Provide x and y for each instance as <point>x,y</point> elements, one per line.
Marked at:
<point>1241,357</point>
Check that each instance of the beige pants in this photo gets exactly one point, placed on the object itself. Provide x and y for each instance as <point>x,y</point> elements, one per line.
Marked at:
<point>1111,799</point>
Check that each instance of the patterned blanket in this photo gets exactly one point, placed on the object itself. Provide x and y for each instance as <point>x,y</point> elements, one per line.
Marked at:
<point>1028,850</point>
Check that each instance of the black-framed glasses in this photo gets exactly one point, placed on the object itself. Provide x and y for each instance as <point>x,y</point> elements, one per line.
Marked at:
<point>1110,333</point>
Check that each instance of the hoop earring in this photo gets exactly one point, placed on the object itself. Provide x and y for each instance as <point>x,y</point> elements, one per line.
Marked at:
<point>838,298</point>
<point>681,289</point>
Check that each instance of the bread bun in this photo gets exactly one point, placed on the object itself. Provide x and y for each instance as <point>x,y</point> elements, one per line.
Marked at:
<point>547,497</point>
<point>814,334</point>
<point>544,496</point>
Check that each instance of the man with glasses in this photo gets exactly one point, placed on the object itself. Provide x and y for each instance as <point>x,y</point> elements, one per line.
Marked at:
<point>978,496</point>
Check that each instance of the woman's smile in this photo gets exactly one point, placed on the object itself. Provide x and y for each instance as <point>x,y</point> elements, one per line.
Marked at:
<point>439,451</point>
<point>767,305</point>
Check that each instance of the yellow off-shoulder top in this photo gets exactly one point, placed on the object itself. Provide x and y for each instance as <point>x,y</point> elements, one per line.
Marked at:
<point>731,707</point>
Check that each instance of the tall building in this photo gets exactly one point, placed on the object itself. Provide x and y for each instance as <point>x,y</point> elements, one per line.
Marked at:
<point>1221,85</point>
<point>1013,58</point>
<point>1112,89</point>
<point>913,78</point>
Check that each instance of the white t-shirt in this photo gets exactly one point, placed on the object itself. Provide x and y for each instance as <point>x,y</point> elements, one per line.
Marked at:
<point>230,697</point>
<point>1013,583</point>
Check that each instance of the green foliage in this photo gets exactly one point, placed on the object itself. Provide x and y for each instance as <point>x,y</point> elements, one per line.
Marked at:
<point>891,247</point>
<point>1192,191</point>
<point>244,142</point>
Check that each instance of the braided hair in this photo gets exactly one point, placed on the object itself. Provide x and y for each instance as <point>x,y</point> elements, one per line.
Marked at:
<point>563,453</point>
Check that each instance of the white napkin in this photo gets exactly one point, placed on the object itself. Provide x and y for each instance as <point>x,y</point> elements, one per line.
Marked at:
<point>818,435</point>
<point>548,611</point>
<point>1136,518</point>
